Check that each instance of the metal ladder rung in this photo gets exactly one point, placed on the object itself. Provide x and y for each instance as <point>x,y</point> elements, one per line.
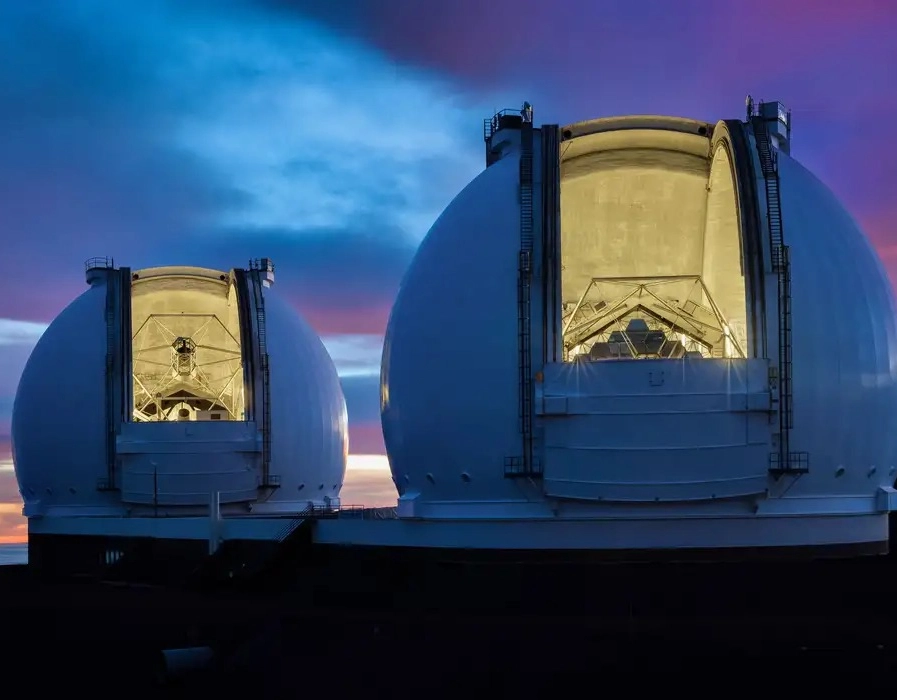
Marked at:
<point>524,465</point>
<point>783,461</point>
<point>267,480</point>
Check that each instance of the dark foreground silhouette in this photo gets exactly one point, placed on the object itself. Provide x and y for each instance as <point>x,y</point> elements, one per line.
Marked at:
<point>430,631</point>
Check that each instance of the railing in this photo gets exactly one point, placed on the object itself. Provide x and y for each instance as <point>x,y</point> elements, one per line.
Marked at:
<point>262,264</point>
<point>518,467</point>
<point>500,120</point>
<point>357,512</point>
<point>798,463</point>
<point>98,263</point>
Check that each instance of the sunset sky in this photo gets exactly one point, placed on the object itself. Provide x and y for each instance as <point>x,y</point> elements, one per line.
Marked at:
<point>329,135</point>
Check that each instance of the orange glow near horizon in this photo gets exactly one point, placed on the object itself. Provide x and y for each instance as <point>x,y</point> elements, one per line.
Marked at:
<point>13,527</point>
<point>368,482</point>
<point>368,463</point>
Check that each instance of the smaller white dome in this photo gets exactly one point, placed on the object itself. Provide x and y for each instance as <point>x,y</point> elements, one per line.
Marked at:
<point>60,425</point>
<point>310,424</point>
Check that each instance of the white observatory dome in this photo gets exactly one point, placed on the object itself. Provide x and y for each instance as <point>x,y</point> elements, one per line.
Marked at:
<point>156,389</point>
<point>642,312</point>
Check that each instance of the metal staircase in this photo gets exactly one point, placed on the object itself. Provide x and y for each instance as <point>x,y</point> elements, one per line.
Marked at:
<point>268,480</point>
<point>252,562</point>
<point>287,530</point>
<point>524,465</point>
<point>783,461</point>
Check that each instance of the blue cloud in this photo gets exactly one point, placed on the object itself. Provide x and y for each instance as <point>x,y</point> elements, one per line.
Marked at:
<point>362,398</point>
<point>149,134</point>
<point>207,133</point>
<point>344,271</point>
<point>20,332</point>
<point>356,355</point>
<point>12,361</point>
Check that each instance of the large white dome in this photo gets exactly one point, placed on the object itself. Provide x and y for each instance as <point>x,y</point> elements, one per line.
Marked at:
<point>449,374</point>
<point>683,204</point>
<point>178,405</point>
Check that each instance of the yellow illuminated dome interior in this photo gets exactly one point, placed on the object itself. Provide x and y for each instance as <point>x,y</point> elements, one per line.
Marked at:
<point>651,247</point>
<point>186,347</point>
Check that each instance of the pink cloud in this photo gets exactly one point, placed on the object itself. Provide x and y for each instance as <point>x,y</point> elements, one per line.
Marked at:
<point>828,15</point>
<point>44,302</point>
<point>9,487</point>
<point>366,438</point>
<point>360,318</point>
<point>12,362</point>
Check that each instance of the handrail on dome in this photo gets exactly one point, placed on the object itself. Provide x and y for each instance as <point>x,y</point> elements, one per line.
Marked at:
<point>507,118</point>
<point>264,264</point>
<point>99,263</point>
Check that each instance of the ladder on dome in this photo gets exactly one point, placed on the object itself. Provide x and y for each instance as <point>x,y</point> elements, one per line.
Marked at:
<point>117,315</point>
<point>524,466</point>
<point>268,480</point>
<point>111,346</point>
<point>783,460</point>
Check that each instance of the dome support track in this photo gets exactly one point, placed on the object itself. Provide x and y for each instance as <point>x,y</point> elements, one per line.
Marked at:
<point>118,359</point>
<point>524,466</point>
<point>783,461</point>
<point>257,268</point>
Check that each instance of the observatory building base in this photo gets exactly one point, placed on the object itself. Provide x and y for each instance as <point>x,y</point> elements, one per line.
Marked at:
<point>170,550</point>
<point>364,568</point>
<point>204,551</point>
<point>645,539</point>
